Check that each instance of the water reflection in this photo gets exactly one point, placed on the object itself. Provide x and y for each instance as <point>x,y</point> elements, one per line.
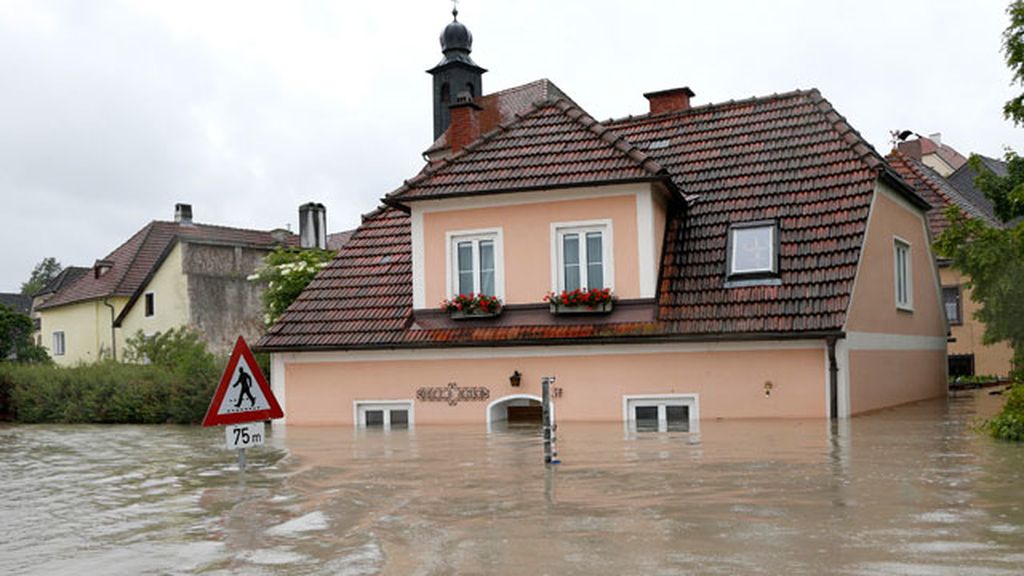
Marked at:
<point>911,490</point>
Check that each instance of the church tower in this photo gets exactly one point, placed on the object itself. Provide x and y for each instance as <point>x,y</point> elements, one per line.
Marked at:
<point>456,74</point>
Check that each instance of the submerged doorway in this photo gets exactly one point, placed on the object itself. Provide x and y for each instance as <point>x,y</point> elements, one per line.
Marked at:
<point>518,410</point>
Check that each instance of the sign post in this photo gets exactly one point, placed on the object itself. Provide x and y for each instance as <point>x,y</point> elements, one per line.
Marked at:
<point>549,422</point>
<point>242,402</point>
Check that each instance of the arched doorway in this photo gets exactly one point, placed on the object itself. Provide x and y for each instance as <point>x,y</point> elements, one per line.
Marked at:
<point>516,409</point>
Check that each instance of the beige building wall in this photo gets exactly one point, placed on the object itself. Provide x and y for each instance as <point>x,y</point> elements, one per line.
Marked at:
<point>86,328</point>
<point>993,359</point>
<point>636,214</point>
<point>729,380</point>
<point>894,355</point>
<point>169,287</point>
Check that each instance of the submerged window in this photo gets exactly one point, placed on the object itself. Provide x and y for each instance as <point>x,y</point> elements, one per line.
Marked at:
<point>583,256</point>
<point>904,279</point>
<point>386,415</point>
<point>752,249</point>
<point>475,264</point>
<point>951,302</point>
<point>670,413</point>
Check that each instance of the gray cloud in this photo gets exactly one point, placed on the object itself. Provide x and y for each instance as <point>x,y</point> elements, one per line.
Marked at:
<point>113,111</point>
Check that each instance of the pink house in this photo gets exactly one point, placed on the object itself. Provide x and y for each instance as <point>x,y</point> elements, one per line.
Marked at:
<point>765,261</point>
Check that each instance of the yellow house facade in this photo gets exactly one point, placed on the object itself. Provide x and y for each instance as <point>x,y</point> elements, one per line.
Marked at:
<point>168,275</point>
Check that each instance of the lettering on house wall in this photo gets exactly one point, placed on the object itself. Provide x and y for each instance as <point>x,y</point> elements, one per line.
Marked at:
<point>453,394</point>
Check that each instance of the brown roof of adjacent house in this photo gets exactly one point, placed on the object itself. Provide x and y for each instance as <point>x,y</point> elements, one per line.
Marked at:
<point>66,277</point>
<point>131,264</point>
<point>789,158</point>
<point>937,191</point>
<point>18,302</point>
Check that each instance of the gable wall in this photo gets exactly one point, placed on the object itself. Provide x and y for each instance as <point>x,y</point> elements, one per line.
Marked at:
<point>893,356</point>
<point>86,327</point>
<point>170,298</point>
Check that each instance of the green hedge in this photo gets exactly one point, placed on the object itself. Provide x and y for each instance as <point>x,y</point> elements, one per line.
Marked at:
<point>1009,424</point>
<point>175,388</point>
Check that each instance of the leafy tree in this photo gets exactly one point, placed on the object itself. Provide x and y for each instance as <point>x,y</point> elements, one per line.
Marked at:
<point>992,257</point>
<point>285,273</point>
<point>46,270</point>
<point>16,338</point>
<point>1013,50</point>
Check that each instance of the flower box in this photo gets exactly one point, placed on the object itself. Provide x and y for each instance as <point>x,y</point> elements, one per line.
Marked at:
<point>466,306</point>
<point>600,308</point>
<point>470,314</point>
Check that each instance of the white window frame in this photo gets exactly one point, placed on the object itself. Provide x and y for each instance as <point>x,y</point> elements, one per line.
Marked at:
<point>559,229</point>
<point>903,301</point>
<point>959,320</point>
<point>59,343</point>
<point>145,298</point>
<point>452,240</point>
<point>691,401</point>
<point>360,407</point>
<point>773,244</point>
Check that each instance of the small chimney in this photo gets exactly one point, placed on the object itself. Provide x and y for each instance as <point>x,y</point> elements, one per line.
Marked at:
<point>313,226</point>
<point>465,127</point>
<point>937,138</point>
<point>672,100</point>
<point>183,213</point>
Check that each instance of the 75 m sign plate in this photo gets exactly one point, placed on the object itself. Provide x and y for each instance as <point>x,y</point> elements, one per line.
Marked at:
<point>244,435</point>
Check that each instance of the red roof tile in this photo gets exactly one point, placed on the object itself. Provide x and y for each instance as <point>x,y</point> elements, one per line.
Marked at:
<point>935,190</point>
<point>554,145</point>
<point>789,157</point>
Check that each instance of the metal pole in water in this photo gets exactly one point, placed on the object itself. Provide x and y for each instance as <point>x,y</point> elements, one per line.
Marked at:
<point>241,459</point>
<point>549,424</point>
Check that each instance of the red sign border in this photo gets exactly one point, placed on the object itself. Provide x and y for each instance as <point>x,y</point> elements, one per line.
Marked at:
<point>214,419</point>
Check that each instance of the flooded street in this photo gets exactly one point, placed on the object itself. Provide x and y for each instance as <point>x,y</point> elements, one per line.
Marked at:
<point>907,491</point>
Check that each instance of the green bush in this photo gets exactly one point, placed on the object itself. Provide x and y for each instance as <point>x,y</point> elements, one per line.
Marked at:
<point>285,274</point>
<point>1009,424</point>
<point>174,387</point>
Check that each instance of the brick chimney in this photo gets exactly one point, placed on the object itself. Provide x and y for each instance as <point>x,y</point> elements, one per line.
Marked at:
<point>672,100</point>
<point>465,126</point>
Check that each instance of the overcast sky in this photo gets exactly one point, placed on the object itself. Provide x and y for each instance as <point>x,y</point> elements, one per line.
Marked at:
<point>113,111</point>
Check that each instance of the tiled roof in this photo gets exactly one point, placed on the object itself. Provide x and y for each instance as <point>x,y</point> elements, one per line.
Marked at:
<point>503,106</point>
<point>66,277</point>
<point>363,297</point>
<point>963,181</point>
<point>16,302</point>
<point>554,145</point>
<point>937,191</point>
<point>790,157</point>
<point>132,263</point>
<point>336,240</point>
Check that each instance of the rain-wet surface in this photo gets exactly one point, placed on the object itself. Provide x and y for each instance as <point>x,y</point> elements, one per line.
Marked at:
<point>912,490</point>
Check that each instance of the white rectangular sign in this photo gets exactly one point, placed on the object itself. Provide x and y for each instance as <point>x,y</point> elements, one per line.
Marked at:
<point>245,435</point>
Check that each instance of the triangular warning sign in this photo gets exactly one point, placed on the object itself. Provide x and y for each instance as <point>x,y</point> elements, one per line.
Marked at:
<point>243,394</point>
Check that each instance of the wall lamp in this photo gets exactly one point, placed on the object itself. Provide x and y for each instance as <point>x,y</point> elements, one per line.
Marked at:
<point>515,379</point>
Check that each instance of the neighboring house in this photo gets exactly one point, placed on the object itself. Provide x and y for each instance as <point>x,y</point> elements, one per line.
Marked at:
<point>66,277</point>
<point>968,356</point>
<point>767,263</point>
<point>167,275</point>
<point>930,151</point>
<point>17,302</point>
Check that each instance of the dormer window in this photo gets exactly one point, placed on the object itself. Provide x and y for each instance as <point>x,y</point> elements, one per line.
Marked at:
<point>475,263</point>
<point>101,267</point>
<point>753,249</point>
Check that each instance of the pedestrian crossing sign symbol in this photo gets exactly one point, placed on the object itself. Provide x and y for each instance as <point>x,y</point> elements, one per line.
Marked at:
<point>243,394</point>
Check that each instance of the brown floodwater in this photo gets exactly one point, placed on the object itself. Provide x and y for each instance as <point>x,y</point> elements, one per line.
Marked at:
<point>912,490</point>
